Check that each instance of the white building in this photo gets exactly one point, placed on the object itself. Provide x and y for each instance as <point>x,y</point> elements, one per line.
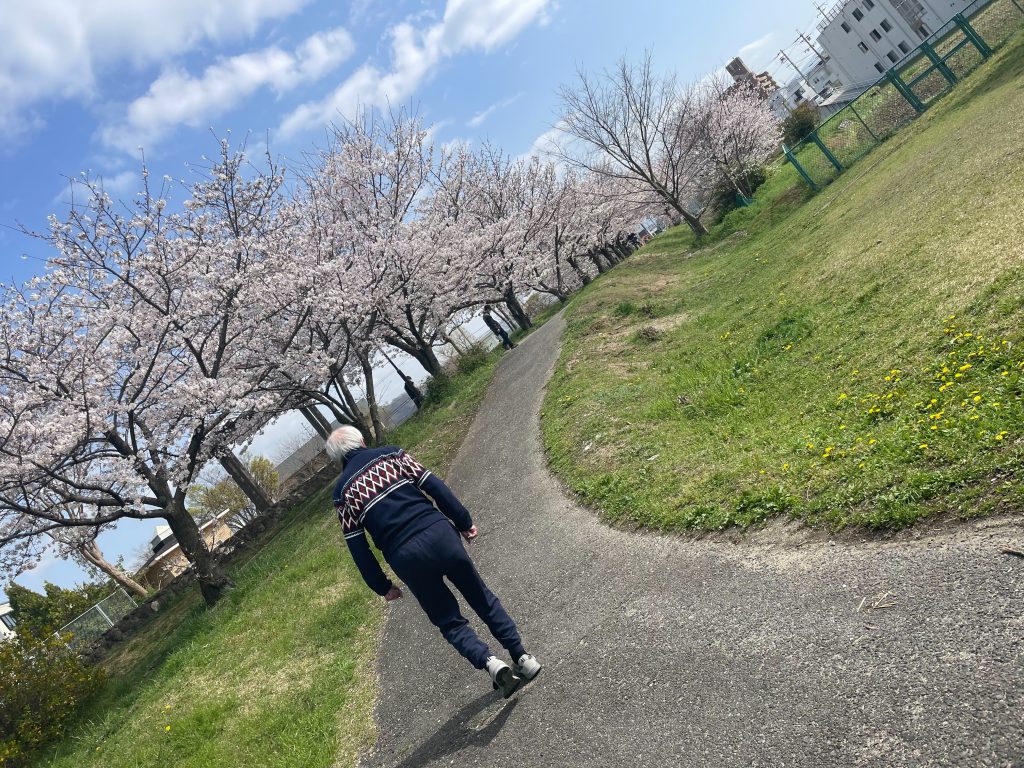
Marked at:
<point>858,41</point>
<point>865,38</point>
<point>6,621</point>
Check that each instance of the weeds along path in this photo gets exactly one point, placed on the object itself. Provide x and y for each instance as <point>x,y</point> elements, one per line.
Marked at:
<point>660,651</point>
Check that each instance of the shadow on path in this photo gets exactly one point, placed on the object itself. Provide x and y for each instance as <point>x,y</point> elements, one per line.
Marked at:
<point>475,725</point>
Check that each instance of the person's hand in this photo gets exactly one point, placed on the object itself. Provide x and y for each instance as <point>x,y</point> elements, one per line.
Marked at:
<point>470,534</point>
<point>393,594</point>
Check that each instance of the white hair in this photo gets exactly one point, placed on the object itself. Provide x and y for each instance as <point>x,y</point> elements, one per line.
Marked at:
<point>343,440</point>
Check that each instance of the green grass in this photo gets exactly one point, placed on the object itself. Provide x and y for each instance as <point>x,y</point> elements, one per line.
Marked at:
<point>280,671</point>
<point>807,359</point>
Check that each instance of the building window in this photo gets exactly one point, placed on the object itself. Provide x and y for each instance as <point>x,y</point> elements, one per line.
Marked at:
<point>857,14</point>
<point>868,4</point>
<point>863,46</point>
<point>892,56</point>
<point>879,67</point>
<point>8,621</point>
<point>875,35</point>
<point>904,47</point>
<point>846,27</point>
<point>885,25</point>
<point>922,31</point>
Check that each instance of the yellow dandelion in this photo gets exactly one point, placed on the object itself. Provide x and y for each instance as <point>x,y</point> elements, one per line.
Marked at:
<point>923,446</point>
<point>167,728</point>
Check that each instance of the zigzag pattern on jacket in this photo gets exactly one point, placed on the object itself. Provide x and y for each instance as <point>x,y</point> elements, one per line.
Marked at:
<point>374,482</point>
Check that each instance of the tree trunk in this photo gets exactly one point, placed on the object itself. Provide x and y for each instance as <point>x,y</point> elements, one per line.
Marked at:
<point>316,421</point>
<point>450,338</point>
<point>246,482</point>
<point>92,554</point>
<point>421,353</point>
<point>428,359</point>
<point>694,223</point>
<point>371,399</point>
<point>518,313</point>
<point>410,386</point>
<point>354,415</point>
<point>595,257</point>
<point>213,582</point>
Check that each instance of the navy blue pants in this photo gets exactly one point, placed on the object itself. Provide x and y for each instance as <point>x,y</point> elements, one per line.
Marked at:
<point>502,335</point>
<point>423,562</point>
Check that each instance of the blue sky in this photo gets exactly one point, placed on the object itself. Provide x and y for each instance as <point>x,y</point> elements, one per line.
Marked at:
<point>84,85</point>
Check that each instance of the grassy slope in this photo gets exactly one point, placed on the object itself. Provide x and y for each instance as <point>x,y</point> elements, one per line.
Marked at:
<point>280,672</point>
<point>808,360</point>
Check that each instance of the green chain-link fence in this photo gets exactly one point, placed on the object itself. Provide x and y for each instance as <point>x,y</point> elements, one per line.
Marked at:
<point>90,626</point>
<point>906,90</point>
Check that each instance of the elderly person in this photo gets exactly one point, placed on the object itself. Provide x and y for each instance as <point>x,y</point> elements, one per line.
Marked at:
<point>415,520</point>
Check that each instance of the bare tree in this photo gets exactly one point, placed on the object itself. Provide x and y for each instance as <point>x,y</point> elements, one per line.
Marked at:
<point>634,125</point>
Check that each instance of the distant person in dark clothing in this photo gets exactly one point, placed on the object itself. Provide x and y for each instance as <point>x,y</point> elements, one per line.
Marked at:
<point>416,522</point>
<point>412,390</point>
<point>495,326</point>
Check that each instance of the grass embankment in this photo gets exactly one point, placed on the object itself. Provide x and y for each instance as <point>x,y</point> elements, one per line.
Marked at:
<point>851,358</point>
<point>280,672</point>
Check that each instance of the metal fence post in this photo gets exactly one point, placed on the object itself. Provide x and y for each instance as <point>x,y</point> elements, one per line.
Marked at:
<point>940,65</point>
<point>866,126</point>
<point>904,90</point>
<point>799,168</point>
<point>972,34</point>
<point>104,615</point>
<point>826,151</point>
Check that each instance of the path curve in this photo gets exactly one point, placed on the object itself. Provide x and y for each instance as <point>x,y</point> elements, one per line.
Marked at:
<point>665,652</point>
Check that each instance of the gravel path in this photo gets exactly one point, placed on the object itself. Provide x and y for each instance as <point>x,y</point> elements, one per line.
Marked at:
<point>665,652</point>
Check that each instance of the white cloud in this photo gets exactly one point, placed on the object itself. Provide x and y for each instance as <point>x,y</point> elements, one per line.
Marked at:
<point>759,53</point>
<point>480,117</point>
<point>416,52</point>
<point>547,144</point>
<point>176,98</point>
<point>55,49</point>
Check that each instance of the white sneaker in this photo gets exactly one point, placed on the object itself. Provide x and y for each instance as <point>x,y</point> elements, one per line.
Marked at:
<point>502,676</point>
<point>527,667</point>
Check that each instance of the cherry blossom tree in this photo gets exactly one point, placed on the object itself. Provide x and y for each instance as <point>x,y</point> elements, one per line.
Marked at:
<point>738,131</point>
<point>137,359</point>
<point>638,126</point>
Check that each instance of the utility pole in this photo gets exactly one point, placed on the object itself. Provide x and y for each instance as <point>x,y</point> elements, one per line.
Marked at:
<point>785,57</point>
<point>810,44</point>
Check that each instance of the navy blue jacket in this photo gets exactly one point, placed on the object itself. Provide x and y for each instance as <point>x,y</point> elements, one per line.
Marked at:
<point>386,492</point>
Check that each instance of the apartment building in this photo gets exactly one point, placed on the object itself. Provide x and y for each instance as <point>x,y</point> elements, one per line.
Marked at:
<point>864,38</point>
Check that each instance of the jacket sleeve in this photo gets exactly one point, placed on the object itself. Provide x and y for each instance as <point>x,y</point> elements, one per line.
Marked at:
<point>359,547</point>
<point>432,486</point>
